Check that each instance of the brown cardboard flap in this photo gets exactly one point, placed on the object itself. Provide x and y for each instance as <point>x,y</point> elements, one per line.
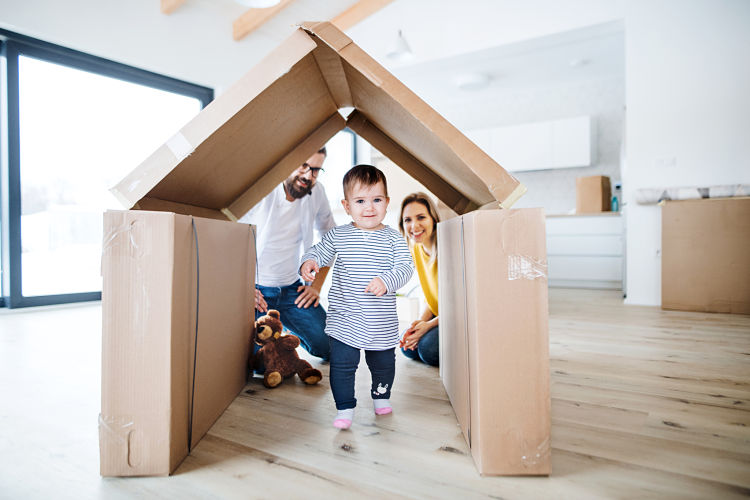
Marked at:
<point>417,128</point>
<point>241,145</point>
<point>494,347</point>
<point>705,264</point>
<point>456,200</point>
<point>162,271</point>
<point>454,355</point>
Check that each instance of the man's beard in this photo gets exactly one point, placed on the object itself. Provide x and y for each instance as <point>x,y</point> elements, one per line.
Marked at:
<point>297,192</point>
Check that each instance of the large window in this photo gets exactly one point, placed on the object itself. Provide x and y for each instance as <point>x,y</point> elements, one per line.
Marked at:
<point>76,125</point>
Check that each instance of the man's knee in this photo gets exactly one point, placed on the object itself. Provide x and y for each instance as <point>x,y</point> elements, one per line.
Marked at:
<point>309,326</point>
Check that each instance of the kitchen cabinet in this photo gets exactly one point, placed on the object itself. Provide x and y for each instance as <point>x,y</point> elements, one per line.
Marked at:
<point>541,145</point>
<point>585,251</point>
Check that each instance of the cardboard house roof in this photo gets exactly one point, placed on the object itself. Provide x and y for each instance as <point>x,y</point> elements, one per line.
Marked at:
<point>249,139</point>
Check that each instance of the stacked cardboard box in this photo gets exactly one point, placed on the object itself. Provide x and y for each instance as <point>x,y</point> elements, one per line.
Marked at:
<point>226,160</point>
<point>705,264</point>
<point>174,285</point>
<point>494,349</point>
<point>593,194</point>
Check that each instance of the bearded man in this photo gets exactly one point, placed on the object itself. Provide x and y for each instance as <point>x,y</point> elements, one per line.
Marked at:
<point>285,220</point>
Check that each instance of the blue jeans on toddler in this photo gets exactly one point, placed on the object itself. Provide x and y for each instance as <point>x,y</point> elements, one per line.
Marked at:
<point>307,324</point>
<point>344,362</point>
<point>428,348</point>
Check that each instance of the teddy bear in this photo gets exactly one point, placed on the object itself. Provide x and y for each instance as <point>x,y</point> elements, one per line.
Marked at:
<point>278,353</point>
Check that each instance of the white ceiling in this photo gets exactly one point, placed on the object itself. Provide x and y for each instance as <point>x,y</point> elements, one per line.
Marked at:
<point>582,54</point>
<point>517,42</point>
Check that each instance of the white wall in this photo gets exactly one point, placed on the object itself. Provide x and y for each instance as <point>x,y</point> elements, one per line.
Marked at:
<point>685,87</point>
<point>687,97</point>
<point>194,43</point>
<point>554,190</point>
<point>436,29</point>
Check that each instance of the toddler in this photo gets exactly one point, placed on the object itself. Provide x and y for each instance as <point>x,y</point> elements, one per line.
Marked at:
<point>372,262</point>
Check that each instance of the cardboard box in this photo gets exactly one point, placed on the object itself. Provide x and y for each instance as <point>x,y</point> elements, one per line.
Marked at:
<point>494,348</point>
<point>247,141</point>
<point>593,194</point>
<point>705,264</point>
<point>254,135</point>
<point>155,394</point>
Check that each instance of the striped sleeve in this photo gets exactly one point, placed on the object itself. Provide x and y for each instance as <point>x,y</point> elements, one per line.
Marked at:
<point>403,266</point>
<point>322,252</point>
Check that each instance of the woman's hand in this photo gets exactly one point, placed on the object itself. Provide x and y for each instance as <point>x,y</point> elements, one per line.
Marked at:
<point>414,333</point>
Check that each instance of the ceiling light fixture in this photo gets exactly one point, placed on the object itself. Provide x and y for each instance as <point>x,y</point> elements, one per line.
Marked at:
<point>401,50</point>
<point>472,81</point>
<point>258,4</point>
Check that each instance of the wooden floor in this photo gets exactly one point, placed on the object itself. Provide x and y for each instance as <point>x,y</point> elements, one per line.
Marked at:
<point>645,404</point>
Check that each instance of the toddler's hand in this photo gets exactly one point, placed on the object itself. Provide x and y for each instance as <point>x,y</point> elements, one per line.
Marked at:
<point>308,270</point>
<point>376,287</point>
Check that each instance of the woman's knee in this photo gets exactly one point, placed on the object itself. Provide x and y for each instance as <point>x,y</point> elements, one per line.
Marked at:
<point>429,347</point>
<point>409,353</point>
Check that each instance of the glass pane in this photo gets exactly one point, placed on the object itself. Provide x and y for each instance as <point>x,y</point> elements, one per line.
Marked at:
<point>80,134</point>
<point>338,161</point>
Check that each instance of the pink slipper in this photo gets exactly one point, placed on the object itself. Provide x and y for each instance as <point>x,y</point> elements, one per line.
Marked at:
<point>383,411</point>
<point>342,423</point>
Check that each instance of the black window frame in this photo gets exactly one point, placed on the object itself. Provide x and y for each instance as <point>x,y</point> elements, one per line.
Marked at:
<point>12,45</point>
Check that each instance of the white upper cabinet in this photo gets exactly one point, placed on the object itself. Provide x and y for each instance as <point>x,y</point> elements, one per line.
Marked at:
<point>539,146</point>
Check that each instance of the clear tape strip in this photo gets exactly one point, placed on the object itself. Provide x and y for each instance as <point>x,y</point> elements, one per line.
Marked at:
<point>525,267</point>
<point>116,427</point>
<point>180,146</point>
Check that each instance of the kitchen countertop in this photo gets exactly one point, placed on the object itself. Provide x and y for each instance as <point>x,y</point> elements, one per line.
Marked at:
<point>592,214</point>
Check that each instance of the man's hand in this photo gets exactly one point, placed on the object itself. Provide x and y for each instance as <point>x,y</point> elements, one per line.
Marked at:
<point>376,287</point>
<point>308,297</point>
<point>308,270</point>
<point>260,302</point>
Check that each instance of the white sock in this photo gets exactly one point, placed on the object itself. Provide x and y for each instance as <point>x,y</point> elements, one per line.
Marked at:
<point>347,414</point>
<point>381,403</point>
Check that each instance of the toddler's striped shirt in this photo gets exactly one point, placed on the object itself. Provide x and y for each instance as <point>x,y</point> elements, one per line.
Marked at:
<point>356,318</point>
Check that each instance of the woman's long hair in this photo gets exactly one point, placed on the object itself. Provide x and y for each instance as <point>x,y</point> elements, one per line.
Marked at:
<point>427,202</point>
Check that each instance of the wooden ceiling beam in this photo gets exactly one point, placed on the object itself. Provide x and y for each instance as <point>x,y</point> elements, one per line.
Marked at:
<point>254,18</point>
<point>169,6</point>
<point>357,12</point>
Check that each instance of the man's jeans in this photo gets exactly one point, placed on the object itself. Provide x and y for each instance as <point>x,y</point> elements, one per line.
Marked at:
<point>307,324</point>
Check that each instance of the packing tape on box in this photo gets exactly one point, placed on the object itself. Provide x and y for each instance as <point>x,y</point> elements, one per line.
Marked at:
<point>118,432</point>
<point>180,146</point>
<point>525,267</point>
<point>117,428</point>
<point>532,455</point>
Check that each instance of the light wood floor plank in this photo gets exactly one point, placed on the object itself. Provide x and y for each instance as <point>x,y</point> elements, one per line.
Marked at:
<point>645,404</point>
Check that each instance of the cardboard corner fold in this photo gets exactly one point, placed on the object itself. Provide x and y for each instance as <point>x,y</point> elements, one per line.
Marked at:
<point>239,146</point>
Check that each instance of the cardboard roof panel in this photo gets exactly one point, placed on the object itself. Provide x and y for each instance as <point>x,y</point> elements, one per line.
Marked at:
<point>417,128</point>
<point>216,173</point>
<point>390,107</point>
<point>235,151</point>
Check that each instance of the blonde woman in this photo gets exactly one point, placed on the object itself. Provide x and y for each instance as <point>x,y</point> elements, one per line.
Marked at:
<point>418,223</point>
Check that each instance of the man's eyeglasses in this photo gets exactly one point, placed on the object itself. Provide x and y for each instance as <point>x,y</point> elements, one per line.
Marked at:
<point>305,168</point>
